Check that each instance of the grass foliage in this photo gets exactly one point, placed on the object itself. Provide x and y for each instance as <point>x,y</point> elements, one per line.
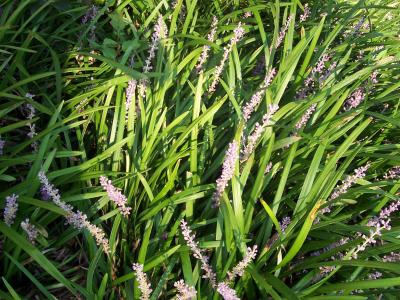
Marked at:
<point>166,152</point>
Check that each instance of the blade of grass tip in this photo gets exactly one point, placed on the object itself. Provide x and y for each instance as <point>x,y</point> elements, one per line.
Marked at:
<point>102,289</point>
<point>13,293</point>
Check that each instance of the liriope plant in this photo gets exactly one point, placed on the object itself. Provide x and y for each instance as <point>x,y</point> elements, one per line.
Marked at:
<point>190,149</point>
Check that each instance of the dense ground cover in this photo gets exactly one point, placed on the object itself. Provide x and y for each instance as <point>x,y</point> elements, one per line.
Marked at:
<point>210,149</point>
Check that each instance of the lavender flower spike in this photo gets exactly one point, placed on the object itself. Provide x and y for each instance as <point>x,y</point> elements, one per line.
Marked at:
<point>377,224</point>
<point>285,223</point>
<point>11,209</point>
<point>257,132</point>
<point>349,181</point>
<point>2,143</point>
<point>257,97</point>
<point>282,33</point>
<point>305,14</point>
<point>238,33</point>
<point>76,219</point>
<point>115,195</point>
<point>228,169</point>
<point>160,31</point>
<point>226,292</point>
<point>393,173</point>
<point>30,230</point>
<point>189,237</point>
<point>130,92</point>
<point>307,115</point>
<point>185,292</point>
<point>144,285</point>
<point>238,270</point>
<point>206,48</point>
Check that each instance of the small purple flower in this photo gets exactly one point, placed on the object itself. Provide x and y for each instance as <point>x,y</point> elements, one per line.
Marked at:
<point>393,173</point>
<point>30,230</point>
<point>375,275</point>
<point>392,257</point>
<point>2,144</point>
<point>90,14</point>
<point>285,223</point>
<point>10,211</point>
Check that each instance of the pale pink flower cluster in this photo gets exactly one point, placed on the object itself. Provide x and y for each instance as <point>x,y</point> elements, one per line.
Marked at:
<point>377,224</point>
<point>374,76</point>
<point>185,292</point>
<point>115,195</point>
<point>247,14</point>
<point>355,99</point>
<point>257,132</point>
<point>304,16</point>
<point>257,97</point>
<point>306,116</point>
<point>10,211</point>
<point>160,32</point>
<point>238,270</point>
<point>30,230</point>
<point>2,143</point>
<point>349,181</point>
<point>206,48</point>
<point>226,292</point>
<point>282,33</point>
<point>228,169</point>
<point>392,257</point>
<point>144,284</point>
<point>238,33</point>
<point>393,173</point>
<point>130,93</point>
<point>197,253</point>
<point>76,219</point>
<point>268,168</point>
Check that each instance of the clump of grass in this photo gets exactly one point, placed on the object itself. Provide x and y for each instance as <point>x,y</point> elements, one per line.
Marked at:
<point>240,121</point>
